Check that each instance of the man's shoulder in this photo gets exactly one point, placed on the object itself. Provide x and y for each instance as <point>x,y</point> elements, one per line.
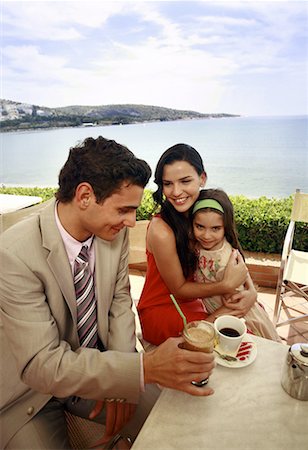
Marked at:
<point>27,227</point>
<point>120,239</point>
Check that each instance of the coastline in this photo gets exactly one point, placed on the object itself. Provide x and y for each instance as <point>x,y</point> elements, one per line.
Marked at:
<point>244,156</point>
<point>19,129</point>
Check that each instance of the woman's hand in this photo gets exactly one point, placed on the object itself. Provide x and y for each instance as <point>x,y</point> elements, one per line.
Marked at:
<point>235,272</point>
<point>241,302</point>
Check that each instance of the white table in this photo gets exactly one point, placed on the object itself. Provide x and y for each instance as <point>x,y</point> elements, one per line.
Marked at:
<point>10,202</point>
<point>248,411</point>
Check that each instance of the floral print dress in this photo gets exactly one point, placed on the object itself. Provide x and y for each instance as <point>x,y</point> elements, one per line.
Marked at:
<point>211,268</point>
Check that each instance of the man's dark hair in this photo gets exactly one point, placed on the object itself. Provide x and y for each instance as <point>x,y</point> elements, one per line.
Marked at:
<point>105,165</point>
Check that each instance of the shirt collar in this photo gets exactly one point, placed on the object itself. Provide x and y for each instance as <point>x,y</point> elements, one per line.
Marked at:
<point>72,246</point>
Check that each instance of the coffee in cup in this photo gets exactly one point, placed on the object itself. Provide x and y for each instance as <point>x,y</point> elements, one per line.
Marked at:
<point>230,331</point>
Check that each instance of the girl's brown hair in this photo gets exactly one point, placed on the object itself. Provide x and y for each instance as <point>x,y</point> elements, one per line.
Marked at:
<point>228,215</point>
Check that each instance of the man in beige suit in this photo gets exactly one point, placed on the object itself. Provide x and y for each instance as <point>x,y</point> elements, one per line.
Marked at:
<point>45,369</point>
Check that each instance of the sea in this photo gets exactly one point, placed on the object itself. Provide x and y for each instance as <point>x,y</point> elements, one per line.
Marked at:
<point>250,156</point>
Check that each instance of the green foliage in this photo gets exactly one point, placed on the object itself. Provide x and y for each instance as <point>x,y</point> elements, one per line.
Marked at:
<point>261,223</point>
<point>147,207</point>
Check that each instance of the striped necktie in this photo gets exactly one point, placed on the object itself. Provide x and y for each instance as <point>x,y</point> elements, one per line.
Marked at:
<point>86,302</point>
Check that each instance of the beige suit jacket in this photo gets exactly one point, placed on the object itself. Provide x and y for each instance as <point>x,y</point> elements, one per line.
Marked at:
<point>40,353</point>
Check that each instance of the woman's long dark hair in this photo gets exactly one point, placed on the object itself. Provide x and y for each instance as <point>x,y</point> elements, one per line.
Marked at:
<point>178,222</point>
<point>228,215</point>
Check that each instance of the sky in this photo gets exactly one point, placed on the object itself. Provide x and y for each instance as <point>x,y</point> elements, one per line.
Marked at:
<point>247,57</point>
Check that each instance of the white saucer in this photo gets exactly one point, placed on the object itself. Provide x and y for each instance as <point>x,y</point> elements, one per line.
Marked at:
<point>249,359</point>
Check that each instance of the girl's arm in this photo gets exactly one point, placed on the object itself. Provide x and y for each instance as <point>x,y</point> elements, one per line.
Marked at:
<point>161,243</point>
<point>223,310</point>
<point>241,302</point>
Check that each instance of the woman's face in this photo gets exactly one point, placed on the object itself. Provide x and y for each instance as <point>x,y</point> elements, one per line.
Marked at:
<point>181,184</point>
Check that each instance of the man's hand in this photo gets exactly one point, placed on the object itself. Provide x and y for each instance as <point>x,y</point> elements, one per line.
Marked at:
<point>175,368</point>
<point>99,405</point>
<point>235,272</point>
<point>118,413</point>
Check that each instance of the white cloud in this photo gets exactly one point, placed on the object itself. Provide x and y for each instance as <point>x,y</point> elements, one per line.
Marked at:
<point>55,20</point>
<point>28,58</point>
<point>208,58</point>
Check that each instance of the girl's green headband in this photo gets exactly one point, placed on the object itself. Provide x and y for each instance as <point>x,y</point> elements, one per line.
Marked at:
<point>207,203</point>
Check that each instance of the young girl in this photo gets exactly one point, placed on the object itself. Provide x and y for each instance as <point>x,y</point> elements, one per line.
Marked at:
<point>215,233</point>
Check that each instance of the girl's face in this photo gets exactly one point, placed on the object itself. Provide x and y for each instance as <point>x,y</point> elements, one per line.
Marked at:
<point>181,185</point>
<point>209,229</point>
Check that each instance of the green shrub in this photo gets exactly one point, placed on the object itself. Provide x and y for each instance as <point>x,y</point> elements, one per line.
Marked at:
<point>147,207</point>
<point>261,223</point>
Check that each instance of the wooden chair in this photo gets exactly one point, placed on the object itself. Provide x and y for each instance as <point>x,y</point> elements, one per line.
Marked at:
<point>293,273</point>
<point>137,259</point>
<point>83,433</point>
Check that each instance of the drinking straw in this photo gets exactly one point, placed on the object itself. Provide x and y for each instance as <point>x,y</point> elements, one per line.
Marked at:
<point>179,309</point>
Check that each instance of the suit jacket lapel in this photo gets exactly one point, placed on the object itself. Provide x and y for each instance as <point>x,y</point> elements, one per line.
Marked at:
<point>103,268</point>
<point>57,258</point>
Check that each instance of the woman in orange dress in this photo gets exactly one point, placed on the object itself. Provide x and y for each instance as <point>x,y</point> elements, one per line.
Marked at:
<point>171,258</point>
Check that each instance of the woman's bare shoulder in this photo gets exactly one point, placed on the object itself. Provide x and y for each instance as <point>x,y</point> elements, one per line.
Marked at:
<point>160,235</point>
<point>158,228</point>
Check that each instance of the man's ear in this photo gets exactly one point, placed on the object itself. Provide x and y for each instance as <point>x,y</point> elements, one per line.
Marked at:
<point>84,194</point>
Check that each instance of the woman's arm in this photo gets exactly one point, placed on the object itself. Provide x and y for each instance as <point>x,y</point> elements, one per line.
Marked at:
<point>161,243</point>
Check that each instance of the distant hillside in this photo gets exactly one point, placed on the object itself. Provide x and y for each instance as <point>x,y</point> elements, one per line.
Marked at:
<point>22,116</point>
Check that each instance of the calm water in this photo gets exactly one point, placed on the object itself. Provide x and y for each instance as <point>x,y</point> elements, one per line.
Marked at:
<point>249,156</point>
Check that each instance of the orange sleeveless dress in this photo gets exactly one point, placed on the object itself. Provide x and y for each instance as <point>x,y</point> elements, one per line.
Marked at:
<point>158,316</point>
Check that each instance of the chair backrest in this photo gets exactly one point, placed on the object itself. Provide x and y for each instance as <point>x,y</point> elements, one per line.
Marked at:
<point>137,244</point>
<point>300,207</point>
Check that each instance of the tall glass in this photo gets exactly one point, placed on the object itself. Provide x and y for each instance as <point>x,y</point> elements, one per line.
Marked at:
<point>199,336</point>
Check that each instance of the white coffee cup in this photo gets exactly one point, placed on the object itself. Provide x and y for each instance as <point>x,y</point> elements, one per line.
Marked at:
<point>230,331</point>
